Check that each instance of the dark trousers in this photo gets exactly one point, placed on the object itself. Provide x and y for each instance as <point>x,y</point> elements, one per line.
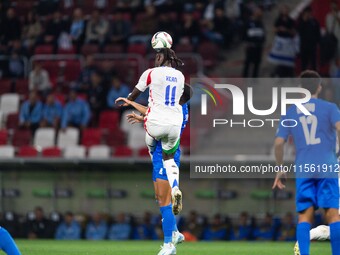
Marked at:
<point>308,59</point>
<point>253,59</point>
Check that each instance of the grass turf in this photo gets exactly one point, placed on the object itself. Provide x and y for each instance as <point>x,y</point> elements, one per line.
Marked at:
<point>151,248</point>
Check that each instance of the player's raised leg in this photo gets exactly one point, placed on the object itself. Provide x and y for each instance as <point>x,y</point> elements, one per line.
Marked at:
<point>7,243</point>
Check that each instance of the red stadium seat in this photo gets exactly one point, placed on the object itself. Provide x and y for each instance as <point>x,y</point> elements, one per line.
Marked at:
<point>5,86</point>
<point>89,49</point>
<point>122,151</point>
<point>115,137</point>
<point>71,51</point>
<point>91,136</point>
<point>12,121</point>
<point>43,49</point>
<point>3,136</point>
<point>114,48</point>
<point>21,137</point>
<point>72,70</point>
<point>51,152</point>
<point>143,152</point>
<point>137,48</point>
<point>27,151</point>
<point>21,87</point>
<point>109,119</point>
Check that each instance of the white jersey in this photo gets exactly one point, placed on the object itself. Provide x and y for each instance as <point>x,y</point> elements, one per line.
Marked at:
<point>166,86</point>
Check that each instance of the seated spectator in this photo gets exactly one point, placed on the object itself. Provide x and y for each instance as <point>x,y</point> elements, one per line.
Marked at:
<point>96,229</point>
<point>193,228</point>
<point>243,230</point>
<point>31,31</point>
<point>146,230</point>
<point>39,79</point>
<point>288,228</point>
<point>120,29</point>
<point>118,89</point>
<point>11,28</point>
<point>51,113</point>
<point>69,229</point>
<point>266,230</point>
<point>120,229</point>
<point>39,226</point>
<point>54,28</point>
<point>217,230</point>
<point>97,93</point>
<point>31,112</point>
<point>190,29</point>
<point>77,28</point>
<point>15,65</point>
<point>97,29</point>
<point>76,112</point>
<point>83,82</point>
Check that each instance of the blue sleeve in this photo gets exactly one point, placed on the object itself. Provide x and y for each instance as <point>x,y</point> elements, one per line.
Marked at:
<point>335,114</point>
<point>86,114</point>
<point>76,232</point>
<point>59,233</point>
<point>22,117</point>
<point>110,99</point>
<point>283,131</point>
<point>64,118</point>
<point>37,116</point>
<point>125,91</point>
<point>59,110</point>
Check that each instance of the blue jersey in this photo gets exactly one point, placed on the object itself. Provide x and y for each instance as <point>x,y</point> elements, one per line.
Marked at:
<point>314,135</point>
<point>316,163</point>
<point>157,157</point>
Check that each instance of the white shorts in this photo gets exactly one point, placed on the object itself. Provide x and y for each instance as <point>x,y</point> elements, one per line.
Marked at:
<point>169,135</point>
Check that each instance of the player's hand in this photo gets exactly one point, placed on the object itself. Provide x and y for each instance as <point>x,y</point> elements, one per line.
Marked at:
<point>279,180</point>
<point>134,118</point>
<point>126,102</point>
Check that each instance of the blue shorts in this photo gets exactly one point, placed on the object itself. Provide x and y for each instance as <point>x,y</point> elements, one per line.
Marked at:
<point>159,171</point>
<point>323,193</point>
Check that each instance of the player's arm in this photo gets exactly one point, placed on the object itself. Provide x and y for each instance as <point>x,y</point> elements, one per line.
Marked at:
<point>187,94</point>
<point>278,151</point>
<point>337,127</point>
<point>141,108</point>
<point>134,94</point>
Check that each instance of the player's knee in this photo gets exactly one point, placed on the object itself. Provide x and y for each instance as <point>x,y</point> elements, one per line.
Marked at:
<point>332,215</point>
<point>163,200</point>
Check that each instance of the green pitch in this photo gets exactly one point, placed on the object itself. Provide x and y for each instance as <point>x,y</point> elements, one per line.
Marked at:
<point>152,248</point>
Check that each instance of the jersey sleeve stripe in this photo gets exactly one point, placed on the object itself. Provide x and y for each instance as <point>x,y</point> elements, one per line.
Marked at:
<point>148,80</point>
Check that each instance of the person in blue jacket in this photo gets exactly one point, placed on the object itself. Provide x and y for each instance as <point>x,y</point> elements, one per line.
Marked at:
<point>97,228</point>
<point>31,112</point>
<point>51,113</point>
<point>76,112</point>
<point>69,229</point>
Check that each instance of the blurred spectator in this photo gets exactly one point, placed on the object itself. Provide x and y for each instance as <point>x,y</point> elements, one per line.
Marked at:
<point>76,112</point>
<point>288,228</point>
<point>77,28</point>
<point>146,26</point>
<point>266,230</point>
<point>100,4</point>
<point>15,65</point>
<point>31,112</point>
<point>209,10</point>
<point>54,29</point>
<point>39,79</point>
<point>31,31</point>
<point>85,74</point>
<point>120,229</point>
<point>167,24</point>
<point>11,28</point>
<point>39,226</point>
<point>309,32</point>
<point>118,89</point>
<point>254,37</point>
<point>193,228</point>
<point>97,93</point>
<point>333,23</point>
<point>243,229</point>
<point>190,29</point>
<point>120,29</point>
<point>97,28</point>
<point>217,230</point>
<point>46,7</point>
<point>96,229</point>
<point>51,113</point>
<point>146,230</point>
<point>69,229</point>
<point>284,46</point>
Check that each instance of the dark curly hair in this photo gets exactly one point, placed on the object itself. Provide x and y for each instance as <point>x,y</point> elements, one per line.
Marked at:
<point>170,56</point>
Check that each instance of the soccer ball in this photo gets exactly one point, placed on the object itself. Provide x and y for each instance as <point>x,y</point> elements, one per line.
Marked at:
<point>161,40</point>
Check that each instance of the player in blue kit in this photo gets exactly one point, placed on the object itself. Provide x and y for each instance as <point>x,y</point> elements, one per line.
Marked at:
<point>7,243</point>
<point>317,183</point>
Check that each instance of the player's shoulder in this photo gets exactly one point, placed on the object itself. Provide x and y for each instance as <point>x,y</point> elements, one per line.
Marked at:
<point>325,104</point>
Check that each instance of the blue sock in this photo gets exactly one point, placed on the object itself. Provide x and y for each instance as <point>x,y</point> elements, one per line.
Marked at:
<point>335,237</point>
<point>303,237</point>
<point>168,222</point>
<point>7,243</point>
